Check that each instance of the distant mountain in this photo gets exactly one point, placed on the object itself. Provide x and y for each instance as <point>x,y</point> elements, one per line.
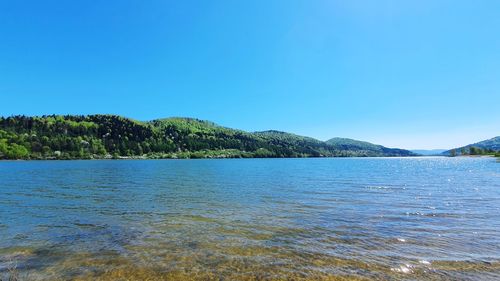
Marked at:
<point>366,149</point>
<point>492,144</point>
<point>428,152</point>
<point>111,136</point>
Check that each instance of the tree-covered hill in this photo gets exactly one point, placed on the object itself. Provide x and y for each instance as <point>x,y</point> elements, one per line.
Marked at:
<point>489,146</point>
<point>366,148</point>
<point>106,136</point>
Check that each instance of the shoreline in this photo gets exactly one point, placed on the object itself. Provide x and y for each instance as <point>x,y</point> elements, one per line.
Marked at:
<point>221,158</point>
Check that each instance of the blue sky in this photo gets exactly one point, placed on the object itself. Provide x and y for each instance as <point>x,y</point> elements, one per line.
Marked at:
<point>410,74</point>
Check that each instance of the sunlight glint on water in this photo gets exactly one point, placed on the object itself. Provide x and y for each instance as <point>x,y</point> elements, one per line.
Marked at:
<point>252,219</point>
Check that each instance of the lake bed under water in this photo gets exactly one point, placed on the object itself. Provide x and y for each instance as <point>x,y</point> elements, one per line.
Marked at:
<point>428,218</point>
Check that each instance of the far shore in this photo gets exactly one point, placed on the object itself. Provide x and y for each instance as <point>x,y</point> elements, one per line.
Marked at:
<point>214,158</point>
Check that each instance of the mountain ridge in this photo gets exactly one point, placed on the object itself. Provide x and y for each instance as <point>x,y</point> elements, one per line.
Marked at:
<point>106,135</point>
<point>370,148</point>
<point>490,145</point>
<point>428,152</point>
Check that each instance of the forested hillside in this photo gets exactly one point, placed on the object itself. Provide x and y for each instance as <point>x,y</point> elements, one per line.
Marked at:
<point>111,136</point>
<point>366,148</point>
<point>486,147</point>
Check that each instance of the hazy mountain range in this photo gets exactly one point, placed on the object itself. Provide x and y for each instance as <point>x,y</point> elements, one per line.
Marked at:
<point>428,152</point>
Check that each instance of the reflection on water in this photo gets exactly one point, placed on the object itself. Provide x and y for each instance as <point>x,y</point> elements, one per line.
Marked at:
<point>251,219</point>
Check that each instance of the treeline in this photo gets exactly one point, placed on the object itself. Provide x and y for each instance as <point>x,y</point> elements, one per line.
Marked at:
<point>472,150</point>
<point>111,136</point>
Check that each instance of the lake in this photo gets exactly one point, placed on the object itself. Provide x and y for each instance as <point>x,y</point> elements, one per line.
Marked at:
<point>428,218</point>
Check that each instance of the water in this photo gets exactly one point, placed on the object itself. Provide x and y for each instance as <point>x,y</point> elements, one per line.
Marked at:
<point>251,219</point>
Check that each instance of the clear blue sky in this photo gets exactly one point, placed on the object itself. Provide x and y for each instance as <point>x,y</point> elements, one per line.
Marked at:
<point>410,74</point>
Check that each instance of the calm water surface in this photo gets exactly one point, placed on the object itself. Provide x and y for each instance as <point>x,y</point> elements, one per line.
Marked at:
<point>251,219</point>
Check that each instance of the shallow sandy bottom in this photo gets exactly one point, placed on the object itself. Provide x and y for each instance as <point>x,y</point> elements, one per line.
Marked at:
<point>310,219</point>
<point>168,262</point>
